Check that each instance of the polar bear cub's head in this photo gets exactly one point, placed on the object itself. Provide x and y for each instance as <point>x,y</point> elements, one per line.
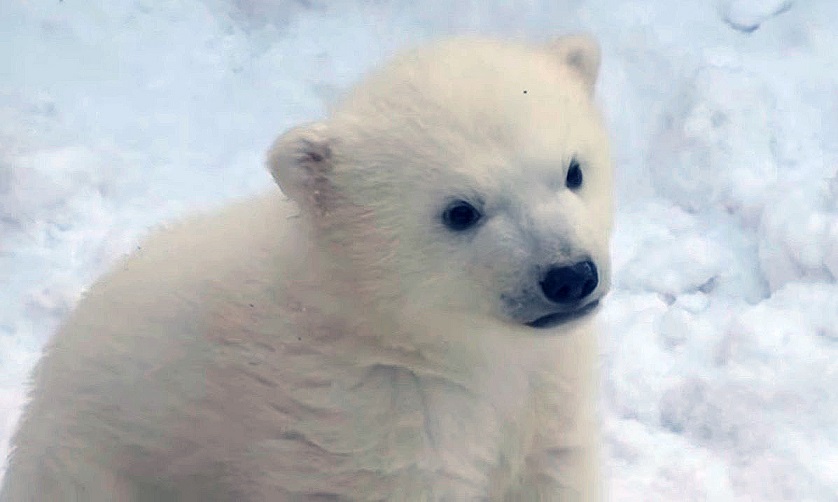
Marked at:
<point>469,178</point>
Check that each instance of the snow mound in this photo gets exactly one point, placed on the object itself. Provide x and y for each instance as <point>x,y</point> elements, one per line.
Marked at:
<point>747,15</point>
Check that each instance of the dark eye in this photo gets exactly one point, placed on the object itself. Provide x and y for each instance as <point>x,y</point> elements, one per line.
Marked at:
<point>460,215</point>
<point>574,175</point>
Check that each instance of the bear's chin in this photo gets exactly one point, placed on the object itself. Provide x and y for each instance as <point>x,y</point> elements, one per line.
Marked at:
<point>559,318</point>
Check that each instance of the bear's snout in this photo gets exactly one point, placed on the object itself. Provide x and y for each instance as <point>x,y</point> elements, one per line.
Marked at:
<point>569,284</point>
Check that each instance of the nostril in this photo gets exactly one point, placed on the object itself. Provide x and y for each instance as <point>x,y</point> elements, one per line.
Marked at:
<point>570,283</point>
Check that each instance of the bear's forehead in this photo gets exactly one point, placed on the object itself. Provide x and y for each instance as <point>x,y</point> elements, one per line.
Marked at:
<point>471,80</point>
<point>470,105</point>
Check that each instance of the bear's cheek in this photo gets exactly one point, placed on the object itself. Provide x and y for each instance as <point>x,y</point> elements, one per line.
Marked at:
<point>494,265</point>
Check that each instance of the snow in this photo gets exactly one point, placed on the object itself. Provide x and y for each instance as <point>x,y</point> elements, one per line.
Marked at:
<point>720,351</point>
<point>748,15</point>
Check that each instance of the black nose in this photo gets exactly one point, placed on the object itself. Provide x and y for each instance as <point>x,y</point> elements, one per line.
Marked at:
<point>570,284</point>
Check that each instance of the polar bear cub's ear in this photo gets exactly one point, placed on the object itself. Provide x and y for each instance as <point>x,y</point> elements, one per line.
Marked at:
<point>582,54</point>
<point>301,161</point>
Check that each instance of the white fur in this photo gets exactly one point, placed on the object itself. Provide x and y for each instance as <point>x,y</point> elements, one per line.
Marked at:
<point>345,345</point>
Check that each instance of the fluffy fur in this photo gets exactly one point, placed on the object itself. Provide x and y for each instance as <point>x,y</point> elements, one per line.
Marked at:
<point>344,344</point>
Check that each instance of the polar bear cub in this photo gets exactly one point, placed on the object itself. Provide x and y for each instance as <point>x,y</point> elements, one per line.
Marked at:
<point>414,321</point>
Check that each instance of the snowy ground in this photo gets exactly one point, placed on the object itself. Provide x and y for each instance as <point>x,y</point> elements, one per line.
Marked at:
<point>721,349</point>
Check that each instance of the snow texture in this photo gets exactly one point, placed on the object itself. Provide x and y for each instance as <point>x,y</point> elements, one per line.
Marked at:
<point>720,353</point>
<point>747,15</point>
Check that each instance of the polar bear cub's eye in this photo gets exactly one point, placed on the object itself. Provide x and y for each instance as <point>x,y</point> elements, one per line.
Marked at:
<point>460,215</point>
<point>574,175</point>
